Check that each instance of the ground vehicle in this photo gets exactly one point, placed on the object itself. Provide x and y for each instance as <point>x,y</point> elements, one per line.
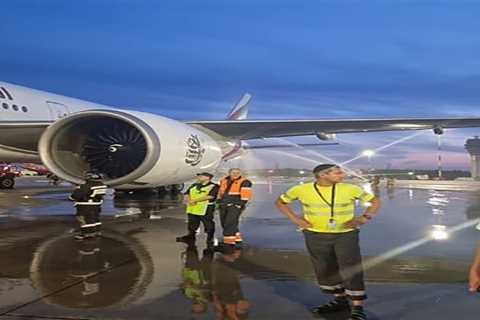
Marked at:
<point>7,177</point>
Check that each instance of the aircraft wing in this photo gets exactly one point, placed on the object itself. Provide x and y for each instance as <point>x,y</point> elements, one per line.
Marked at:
<point>255,129</point>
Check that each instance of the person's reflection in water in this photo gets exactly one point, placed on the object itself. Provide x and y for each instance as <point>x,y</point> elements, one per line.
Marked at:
<point>475,273</point>
<point>89,262</point>
<point>228,297</point>
<point>197,278</point>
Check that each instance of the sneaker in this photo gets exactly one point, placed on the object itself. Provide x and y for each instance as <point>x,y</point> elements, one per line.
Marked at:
<point>332,306</point>
<point>357,314</point>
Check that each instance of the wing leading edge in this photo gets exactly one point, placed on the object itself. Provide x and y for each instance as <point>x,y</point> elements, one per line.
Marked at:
<point>255,129</point>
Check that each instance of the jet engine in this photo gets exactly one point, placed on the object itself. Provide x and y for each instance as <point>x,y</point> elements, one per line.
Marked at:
<point>130,149</point>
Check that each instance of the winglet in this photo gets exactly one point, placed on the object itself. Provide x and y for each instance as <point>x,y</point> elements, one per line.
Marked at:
<point>240,109</point>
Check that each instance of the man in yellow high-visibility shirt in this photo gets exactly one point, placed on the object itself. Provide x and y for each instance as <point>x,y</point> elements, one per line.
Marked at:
<point>200,200</point>
<point>332,236</point>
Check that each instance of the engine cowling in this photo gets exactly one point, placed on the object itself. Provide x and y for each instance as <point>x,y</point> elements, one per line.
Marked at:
<point>130,149</point>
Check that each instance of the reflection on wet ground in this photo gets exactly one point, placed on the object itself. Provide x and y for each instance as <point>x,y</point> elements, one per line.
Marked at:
<point>416,255</point>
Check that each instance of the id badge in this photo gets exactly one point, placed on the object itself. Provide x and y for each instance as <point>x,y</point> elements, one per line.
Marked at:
<point>332,224</point>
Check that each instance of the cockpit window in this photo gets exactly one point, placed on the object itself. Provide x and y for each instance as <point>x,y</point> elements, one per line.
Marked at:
<point>2,95</point>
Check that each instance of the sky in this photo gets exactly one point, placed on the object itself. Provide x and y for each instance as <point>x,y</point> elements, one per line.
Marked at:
<point>310,59</point>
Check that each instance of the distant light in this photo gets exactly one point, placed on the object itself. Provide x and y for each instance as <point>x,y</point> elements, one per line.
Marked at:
<point>439,232</point>
<point>368,153</point>
<point>301,172</point>
<point>411,173</point>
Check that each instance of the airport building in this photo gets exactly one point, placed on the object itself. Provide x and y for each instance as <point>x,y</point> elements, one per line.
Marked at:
<point>473,148</point>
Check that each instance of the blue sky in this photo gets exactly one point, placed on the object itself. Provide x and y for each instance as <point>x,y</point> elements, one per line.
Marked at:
<point>310,59</point>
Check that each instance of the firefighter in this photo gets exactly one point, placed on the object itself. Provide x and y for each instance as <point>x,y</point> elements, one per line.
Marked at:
<point>200,199</point>
<point>88,199</point>
<point>331,234</point>
<point>234,194</point>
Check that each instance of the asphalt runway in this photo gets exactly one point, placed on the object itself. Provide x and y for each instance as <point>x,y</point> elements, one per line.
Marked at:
<point>138,271</point>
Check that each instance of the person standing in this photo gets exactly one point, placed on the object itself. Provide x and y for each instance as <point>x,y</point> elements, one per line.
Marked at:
<point>474,280</point>
<point>331,234</point>
<point>200,199</point>
<point>234,194</point>
<point>88,199</point>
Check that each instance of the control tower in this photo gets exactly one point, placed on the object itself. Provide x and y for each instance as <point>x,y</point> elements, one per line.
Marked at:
<point>473,148</point>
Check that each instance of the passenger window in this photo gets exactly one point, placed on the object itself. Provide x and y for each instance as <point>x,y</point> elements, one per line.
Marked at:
<point>15,107</point>
<point>24,109</point>
<point>5,106</point>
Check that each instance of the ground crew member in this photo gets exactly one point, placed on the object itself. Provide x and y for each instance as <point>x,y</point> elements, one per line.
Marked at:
<point>200,199</point>
<point>332,236</point>
<point>88,199</point>
<point>475,273</point>
<point>233,196</point>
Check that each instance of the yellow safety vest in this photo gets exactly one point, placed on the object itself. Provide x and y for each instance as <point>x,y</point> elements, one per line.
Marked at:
<point>317,211</point>
<point>199,208</point>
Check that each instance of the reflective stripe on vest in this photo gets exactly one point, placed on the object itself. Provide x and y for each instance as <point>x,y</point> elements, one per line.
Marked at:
<point>199,208</point>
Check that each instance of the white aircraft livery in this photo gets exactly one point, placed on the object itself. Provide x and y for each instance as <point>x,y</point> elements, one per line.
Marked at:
<point>135,150</point>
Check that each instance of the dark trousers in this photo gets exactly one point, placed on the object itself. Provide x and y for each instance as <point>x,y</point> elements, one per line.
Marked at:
<point>337,262</point>
<point>207,220</point>
<point>89,218</point>
<point>230,219</point>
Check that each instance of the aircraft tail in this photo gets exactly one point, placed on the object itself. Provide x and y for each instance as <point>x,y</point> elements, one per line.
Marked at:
<point>240,109</point>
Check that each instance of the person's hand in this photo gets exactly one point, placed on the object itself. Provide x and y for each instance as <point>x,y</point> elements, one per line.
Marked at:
<point>355,222</point>
<point>192,202</point>
<point>474,279</point>
<point>302,223</point>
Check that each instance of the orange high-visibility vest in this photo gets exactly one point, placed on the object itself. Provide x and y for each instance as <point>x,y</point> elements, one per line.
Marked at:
<point>240,187</point>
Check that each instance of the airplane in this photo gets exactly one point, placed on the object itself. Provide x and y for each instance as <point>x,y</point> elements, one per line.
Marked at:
<point>140,150</point>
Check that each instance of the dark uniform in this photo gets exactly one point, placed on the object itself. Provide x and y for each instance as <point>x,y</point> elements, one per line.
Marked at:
<point>233,196</point>
<point>201,212</point>
<point>88,199</point>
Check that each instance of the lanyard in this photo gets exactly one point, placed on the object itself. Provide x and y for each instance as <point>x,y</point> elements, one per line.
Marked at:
<point>331,204</point>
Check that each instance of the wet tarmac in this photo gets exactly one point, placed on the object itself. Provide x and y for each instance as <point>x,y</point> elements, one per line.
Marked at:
<point>138,271</point>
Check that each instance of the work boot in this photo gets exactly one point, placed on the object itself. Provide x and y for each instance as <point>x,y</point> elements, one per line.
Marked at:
<point>188,238</point>
<point>357,313</point>
<point>338,304</point>
<point>239,245</point>
<point>81,237</point>
<point>226,248</point>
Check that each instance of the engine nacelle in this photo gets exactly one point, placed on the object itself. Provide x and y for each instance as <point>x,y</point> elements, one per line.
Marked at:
<point>130,149</point>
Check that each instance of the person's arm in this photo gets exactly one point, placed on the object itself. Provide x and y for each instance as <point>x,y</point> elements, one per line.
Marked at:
<point>245,192</point>
<point>370,212</point>
<point>186,195</point>
<point>474,281</point>
<point>283,205</point>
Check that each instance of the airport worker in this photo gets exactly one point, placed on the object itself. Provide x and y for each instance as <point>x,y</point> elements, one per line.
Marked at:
<point>234,194</point>
<point>331,232</point>
<point>475,273</point>
<point>200,200</point>
<point>88,199</point>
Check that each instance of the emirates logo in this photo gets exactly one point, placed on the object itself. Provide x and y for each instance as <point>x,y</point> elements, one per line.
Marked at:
<point>195,151</point>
